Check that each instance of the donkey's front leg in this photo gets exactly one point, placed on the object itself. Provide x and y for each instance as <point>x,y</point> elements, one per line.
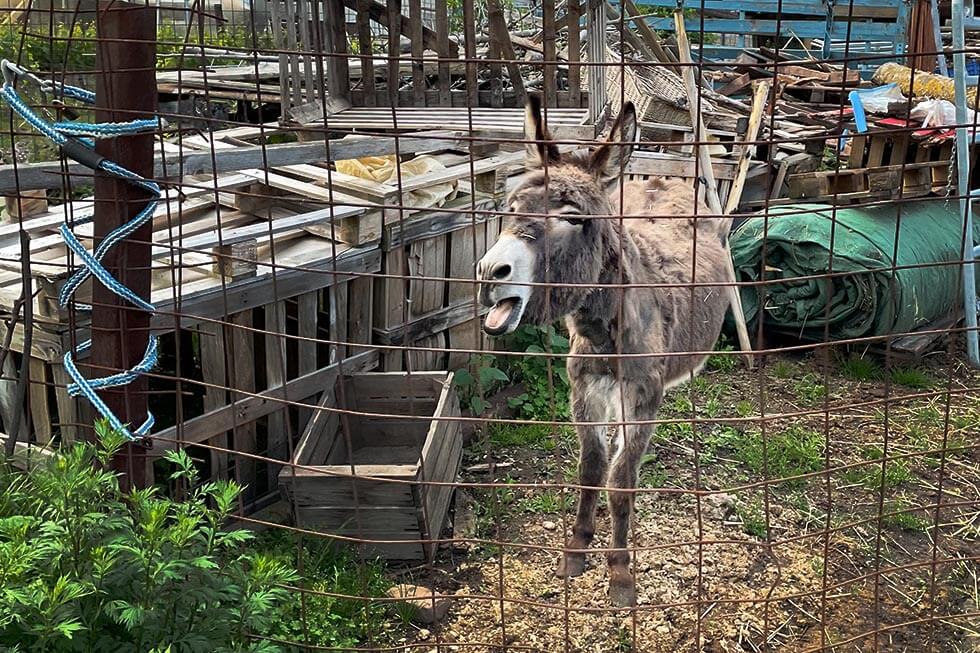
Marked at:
<point>623,474</point>
<point>592,474</point>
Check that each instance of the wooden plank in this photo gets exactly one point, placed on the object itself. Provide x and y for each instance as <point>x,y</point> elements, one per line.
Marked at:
<point>38,393</point>
<point>464,336</point>
<point>434,322</point>
<point>427,258</point>
<point>747,149</point>
<point>335,486</point>
<point>427,353</point>
<point>573,13</point>
<point>9,406</point>
<point>275,370</point>
<point>307,306</point>
<point>360,313</point>
<point>241,376</point>
<point>211,336</point>
<point>365,49</point>
<point>550,54</point>
<point>498,28</point>
<point>320,433</point>
<point>339,305</point>
<point>68,409</point>
<point>418,52</point>
<point>469,48</point>
<point>394,48</point>
<point>367,522</point>
<point>338,75</point>
<point>403,25</point>
<point>50,174</point>
<point>442,29</point>
<point>199,429</point>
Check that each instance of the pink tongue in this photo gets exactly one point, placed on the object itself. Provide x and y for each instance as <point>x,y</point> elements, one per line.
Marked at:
<point>498,315</point>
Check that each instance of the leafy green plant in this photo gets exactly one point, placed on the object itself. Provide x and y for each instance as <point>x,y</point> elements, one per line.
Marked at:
<point>548,502</point>
<point>480,378</point>
<point>901,515</point>
<point>809,390</point>
<point>723,362</point>
<point>324,617</point>
<point>753,518</point>
<point>539,436</point>
<point>782,369</point>
<point>542,399</point>
<point>85,566</point>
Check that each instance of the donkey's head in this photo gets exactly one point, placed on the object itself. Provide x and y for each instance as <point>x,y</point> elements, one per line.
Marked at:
<point>548,234</point>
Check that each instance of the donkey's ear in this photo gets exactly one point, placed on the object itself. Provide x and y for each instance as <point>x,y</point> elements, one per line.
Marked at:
<point>610,158</point>
<point>539,149</point>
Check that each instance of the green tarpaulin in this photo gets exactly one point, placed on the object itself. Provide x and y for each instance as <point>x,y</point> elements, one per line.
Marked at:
<point>866,297</point>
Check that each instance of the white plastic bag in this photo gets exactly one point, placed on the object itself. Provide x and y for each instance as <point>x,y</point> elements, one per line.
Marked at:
<point>938,113</point>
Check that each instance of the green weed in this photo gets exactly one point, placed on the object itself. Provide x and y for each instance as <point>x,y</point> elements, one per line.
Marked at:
<point>723,362</point>
<point>782,369</point>
<point>744,408</point>
<point>538,436</point>
<point>653,473</point>
<point>809,390</point>
<point>753,518</point>
<point>792,452</point>
<point>912,377</point>
<point>548,502</point>
<point>900,514</point>
<point>545,395</point>
<point>860,368</point>
<point>473,383</point>
<point>896,472</point>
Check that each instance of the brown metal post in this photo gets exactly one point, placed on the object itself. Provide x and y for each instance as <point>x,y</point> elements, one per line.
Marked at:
<point>125,90</point>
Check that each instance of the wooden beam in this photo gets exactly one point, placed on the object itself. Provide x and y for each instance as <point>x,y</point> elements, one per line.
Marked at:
<point>50,174</point>
<point>216,422</point>
<point>379,14</point>
<point>707,172</point>
<point>747,149</point>
<point>499,31</point>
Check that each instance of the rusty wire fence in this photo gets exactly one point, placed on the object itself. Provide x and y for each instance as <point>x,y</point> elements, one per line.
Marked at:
<point>328,188</point>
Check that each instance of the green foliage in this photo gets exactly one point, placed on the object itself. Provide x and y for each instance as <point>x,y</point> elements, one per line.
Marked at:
<point>899,514</point>
<point>548,502</point>
<point>723,362</point>
<point>860,368</point>
<point>323,617</point>
<point>783,369</point>
<point>545,395</point>
<point>753,519</point>
<point>473,383</point>
<point>539,436</point>
<point>87,567</point>
<point>792,452</point>
<point>895,474</point>
<point>912,377</point>
<point>809,390</point>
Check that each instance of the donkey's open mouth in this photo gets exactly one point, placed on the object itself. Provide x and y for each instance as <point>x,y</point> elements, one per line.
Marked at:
<point>504,316</point>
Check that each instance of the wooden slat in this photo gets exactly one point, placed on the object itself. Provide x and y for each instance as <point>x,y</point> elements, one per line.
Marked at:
<point>574,53</point>
<point>250,408</point>
<point>360,313</point>
<point>68,410</point>
<point>212,343</point>
<point>241,361</point>
<point>365,49</point>
<point>307,305</point>
<point>338,79</point>
<point>442,28</point>
<point>275,369</point>
<point>469,48</point>
<point>40,412</point>
<point>418,52</point>
<point>394,48</point>
<point>550,54</point>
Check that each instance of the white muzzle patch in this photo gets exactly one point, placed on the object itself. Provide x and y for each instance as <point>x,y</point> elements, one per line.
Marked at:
<point>504,270</point>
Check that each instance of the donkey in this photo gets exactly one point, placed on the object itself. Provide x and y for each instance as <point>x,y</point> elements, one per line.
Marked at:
<point>560,230</point>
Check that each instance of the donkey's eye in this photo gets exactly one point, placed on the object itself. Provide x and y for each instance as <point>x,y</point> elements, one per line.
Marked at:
<point>572,218</point>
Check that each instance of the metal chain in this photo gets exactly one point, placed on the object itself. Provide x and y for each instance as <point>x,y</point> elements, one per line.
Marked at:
<point>949,175</point>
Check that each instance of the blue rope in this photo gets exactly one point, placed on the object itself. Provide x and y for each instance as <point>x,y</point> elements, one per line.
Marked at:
<point>70,136</point>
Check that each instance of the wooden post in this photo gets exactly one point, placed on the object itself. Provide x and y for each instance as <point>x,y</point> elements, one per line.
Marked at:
<point>125,90</point>
<point>707,172</point>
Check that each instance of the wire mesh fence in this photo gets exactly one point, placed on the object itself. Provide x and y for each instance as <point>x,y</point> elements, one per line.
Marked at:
<point>523,326</point>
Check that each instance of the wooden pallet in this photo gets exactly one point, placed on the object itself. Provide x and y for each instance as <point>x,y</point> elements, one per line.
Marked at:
<point>860,184</point>
<point>569,124</point>
<point>440,311</point>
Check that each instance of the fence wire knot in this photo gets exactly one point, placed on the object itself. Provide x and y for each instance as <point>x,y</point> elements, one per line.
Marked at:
<point>77,141</point>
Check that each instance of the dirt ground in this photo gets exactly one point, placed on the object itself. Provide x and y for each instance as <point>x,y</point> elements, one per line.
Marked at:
<point>747,565</point>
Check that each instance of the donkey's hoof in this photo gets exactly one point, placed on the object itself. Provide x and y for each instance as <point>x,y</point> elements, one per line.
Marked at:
<point>622,594</point>
<point>571,565</point>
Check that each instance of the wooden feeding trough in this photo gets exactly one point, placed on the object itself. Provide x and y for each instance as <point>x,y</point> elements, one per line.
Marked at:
<point>365,474</point>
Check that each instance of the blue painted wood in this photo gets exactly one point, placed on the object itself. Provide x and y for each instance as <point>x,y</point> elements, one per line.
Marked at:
<point>816,8</point>
<point>804,29</point>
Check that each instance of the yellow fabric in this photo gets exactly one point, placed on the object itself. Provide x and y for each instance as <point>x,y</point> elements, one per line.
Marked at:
<point>382,169</point>
<point>926,84</point>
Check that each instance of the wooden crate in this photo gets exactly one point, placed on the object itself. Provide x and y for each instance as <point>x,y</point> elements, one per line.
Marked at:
<point>426,299</point>
<point>376,491</point>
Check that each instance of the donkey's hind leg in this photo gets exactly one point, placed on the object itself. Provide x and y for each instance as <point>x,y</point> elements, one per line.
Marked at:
<point>591,473</point>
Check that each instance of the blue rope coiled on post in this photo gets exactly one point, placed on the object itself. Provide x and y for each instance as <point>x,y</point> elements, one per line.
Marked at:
<point>76,140</point>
